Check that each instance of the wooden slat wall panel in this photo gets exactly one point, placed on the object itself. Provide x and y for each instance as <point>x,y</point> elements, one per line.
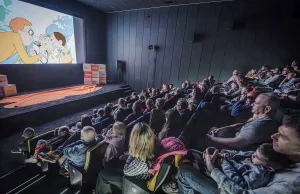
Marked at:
<point>266,38</point>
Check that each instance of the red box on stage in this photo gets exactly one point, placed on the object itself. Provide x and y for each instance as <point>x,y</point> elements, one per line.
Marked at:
<point>95,67</point>
<point>88,81</point>
<point>87,74</point>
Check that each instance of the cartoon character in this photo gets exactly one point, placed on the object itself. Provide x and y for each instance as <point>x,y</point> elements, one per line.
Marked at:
<point>14,42</point>
<point>58,41</point>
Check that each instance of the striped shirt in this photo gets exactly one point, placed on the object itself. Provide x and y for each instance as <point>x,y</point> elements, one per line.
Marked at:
<point>138,168</point>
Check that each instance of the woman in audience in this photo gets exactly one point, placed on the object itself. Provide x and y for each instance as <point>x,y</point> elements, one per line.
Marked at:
<point>197,96</point>
<point>142,151</point>
<point>157,116</point>
<point>172,126</point>
<point>85,121</point>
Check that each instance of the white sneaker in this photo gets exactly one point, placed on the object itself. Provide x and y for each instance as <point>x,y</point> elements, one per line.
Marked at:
<point>31,160</point>
<point>170,188</point>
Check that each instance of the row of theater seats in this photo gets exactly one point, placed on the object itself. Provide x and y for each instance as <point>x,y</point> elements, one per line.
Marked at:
<point>86,177</point>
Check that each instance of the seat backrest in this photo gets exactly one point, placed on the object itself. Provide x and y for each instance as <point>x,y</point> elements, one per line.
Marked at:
<point>94,156</point>
<point>33,141</point>
<point>97,127</point>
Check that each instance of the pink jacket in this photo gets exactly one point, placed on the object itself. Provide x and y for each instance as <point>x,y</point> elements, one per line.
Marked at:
<point>169,146</point>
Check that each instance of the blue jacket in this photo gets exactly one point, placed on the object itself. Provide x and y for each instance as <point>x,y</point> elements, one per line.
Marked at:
<point>76,152</point>
<point>242,109</point>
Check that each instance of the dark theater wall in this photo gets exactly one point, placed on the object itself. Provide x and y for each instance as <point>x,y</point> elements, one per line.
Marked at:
<point>269,35</point>
<point>42,76</point>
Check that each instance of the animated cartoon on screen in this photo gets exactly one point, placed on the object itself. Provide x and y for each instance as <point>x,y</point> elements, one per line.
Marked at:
<point>27,40</point>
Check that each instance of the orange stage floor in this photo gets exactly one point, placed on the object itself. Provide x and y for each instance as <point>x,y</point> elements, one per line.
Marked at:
<point>47,96</point>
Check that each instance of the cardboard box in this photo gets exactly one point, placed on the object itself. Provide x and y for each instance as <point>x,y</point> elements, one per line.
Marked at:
<point>95,67</point>
<point>99,81</point>
<point>3,80</point>
<point>102,67</point>
<point>9,90</point>
<point>87,67</point>
<point>97,74</point>
<point>87,74</point>
<point>98,67</point>
<point>88,81</point>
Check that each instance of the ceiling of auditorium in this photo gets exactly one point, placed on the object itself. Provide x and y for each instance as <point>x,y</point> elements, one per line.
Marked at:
<point>122,5</point>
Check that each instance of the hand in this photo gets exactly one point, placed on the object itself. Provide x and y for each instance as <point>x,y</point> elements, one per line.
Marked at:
<point>210,160</point>
<point>214,130</point>
<point>62,159</point>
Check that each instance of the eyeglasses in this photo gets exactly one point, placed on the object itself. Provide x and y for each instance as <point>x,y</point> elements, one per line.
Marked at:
<point>31,32</point>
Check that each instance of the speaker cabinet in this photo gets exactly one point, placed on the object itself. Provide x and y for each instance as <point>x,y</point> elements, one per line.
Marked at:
<point>121,66</point>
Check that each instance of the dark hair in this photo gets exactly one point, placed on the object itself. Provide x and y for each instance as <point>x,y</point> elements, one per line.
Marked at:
<point>86,120</point>
<point>149,102</point>
<point>100,112</point>
<point>274,159</point>
<point>122,101</point>
<point>79,125</point>
<point>293,122</point>
<point>172,123</point>
<point>183,103</point>
<point>142,98</point>
<point>107,110</point>
<point>59,36</point>
<point>137,107</point>
<point>118,116</point>
<point>63,129</point>
<point>160,103</point>
<point>127,98</point>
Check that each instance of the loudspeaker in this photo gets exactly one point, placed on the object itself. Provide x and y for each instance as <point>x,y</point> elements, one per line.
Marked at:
<point>121,65</point>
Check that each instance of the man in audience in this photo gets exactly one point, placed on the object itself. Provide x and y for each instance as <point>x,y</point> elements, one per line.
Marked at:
<point>235,73</point>
<point>75,153</point>
<point>137,112</point>
<point>149,106</point>
<point>277,79</point>
<point>261,74</point>
<point>251,133</point>
<point>285,141</point>
<point>122,109</point>
<point>288,83</point>
<point>184,112</point>
<point>157,116</point>
<point>291,99</point>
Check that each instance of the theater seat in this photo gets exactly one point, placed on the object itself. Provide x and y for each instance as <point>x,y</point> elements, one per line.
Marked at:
<point>33,141</point>
<point>131,185</point>
<point>93,164</point>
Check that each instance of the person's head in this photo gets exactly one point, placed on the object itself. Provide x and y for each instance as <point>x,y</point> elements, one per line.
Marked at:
<point>86,120</point>
<point>149,103</point>
<point>182,104</point>
<point>251,96</point>
<point>157,91</point>
<point>276,71</point>
<point>291,75</point>
<point>235,72</point>
<point>118,116</point>
<point>172,123</point>
<point>144,92</point>
<point>28,133</point>
<point>79,125</point>
<point>142,142</point>
<point>234,85</point>
<point>287,139</point>
<point>240,81</point>
<point>264,67</point>
<point>129,105</point>
<point>285,71</point>
<point>167,96</point>
<point>210,78</point>
<point>295,63</point>
<point>142,98</point>
<point>245,90</point>
<point>127,99</point>
<point>171,86</point>
<point>265,104</point>
<point>88,134</point>
<point>119,129</point>
<point>184,85</point>
<point>95,111</point>
<point>149,90</point>
<point>267,157</point>
<point>63,131</point>
<point>110,105</point>
<point>107,110</point>
<point>23,28</point>
<point>122,102</point>
<point>134,95</point>
<point>159,103</point>
<point>100,112</point>
<point>196,93</point>
<point>188,82</point>
<point>58,40</point>
<point>137,107</point>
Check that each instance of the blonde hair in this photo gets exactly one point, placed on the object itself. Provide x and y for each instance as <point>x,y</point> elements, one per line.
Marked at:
<point>18,24</point>
<point>119,129</point>
<point>142,142</point>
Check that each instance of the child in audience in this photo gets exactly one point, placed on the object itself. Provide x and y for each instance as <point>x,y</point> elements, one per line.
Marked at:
<point>60,135</point>
<point>27,134</point>
<point>149,106</point>
<point>157,116</point>
<point>116,139</point>
<point>100,114</point>
<point>75,153</point>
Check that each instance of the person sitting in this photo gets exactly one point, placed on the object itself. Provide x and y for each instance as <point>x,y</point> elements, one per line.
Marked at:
<point>61,134</point>
<point>261,74</point>
<point>291,100</point>
<point>27,134</point>
<point>285,141</point>
<point>115,137</point>
<point>137,112</point>
<point>75,128</point>
<point>107,114</point>
<point>172,126</point>
<point>142,151</point>
<point>295,66</point>
<point>95,115</point>
<point>124,112</point>
<point>288,83</point>
<point>100,114</point>
<point>277,79</point>
<point>157,116</point>
<point>167,96</point>
<point>144,93</point>
<point>235,73</point>
<point>197,96</point>
<point>134,96</point>
<point>251,74</point>
<point>149,106</point>
<point>153,92</point>
<point>184,112</point>
<point>248,134</point>
<point>75,153</point>
<point>164,88</point>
